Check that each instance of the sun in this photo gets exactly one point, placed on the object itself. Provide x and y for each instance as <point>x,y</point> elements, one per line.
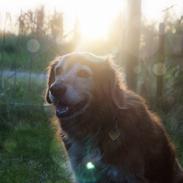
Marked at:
<point>94,16</point>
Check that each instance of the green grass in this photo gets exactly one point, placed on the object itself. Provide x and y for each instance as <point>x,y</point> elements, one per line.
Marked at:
<point>29,149</point>
<point>22,91</point>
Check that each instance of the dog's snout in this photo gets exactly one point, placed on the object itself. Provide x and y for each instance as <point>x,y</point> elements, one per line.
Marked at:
<point>58,89</point>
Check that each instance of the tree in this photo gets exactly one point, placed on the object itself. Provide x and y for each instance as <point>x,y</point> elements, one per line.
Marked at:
<point>132,42</point>
<point>40,15</point>
<point>56,25</point>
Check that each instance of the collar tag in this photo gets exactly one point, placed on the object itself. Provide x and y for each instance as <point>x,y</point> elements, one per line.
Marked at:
<point>114,134</point>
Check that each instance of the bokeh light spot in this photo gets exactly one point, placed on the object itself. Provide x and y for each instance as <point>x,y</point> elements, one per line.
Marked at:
<point>33,45</point>
<point>159,69</point>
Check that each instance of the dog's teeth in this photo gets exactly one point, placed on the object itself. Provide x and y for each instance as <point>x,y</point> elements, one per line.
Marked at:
<point>64,109</point>
<point>61,111</point>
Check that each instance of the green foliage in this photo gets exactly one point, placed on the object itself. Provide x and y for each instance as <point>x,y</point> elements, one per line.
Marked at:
<point>172,106</point>
<point>16,54</point>
<point>174,118</point>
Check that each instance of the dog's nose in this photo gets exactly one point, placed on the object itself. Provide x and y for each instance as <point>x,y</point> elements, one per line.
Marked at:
<point>58,89</point>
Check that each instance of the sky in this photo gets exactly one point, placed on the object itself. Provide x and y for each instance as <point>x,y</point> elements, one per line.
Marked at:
<point>91,13</point>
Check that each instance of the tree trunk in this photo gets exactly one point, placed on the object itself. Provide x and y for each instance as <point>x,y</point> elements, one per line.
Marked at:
<point>160,64</point>
<point>132,42</point>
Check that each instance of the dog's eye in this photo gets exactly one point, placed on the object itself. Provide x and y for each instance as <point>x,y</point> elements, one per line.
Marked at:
<point>58,70</point>
<point>83,73</point>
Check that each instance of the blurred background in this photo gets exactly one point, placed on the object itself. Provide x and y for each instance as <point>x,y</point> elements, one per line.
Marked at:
<point>144,37</point>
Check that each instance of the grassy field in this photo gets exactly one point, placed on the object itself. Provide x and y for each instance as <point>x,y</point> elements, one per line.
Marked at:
<point>29,149</point>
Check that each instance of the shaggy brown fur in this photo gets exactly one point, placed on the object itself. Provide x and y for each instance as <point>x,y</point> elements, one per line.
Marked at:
<point>142,153</point>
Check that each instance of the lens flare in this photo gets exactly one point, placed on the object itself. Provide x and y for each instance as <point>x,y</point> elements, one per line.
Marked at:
<point>90,166</point>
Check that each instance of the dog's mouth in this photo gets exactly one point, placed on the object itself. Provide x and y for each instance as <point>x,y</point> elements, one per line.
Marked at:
<point>64,110</point>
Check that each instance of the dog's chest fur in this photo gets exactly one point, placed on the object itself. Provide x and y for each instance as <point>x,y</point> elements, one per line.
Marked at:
<point>88,164</point>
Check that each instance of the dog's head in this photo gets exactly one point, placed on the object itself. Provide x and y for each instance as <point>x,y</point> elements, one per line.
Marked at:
<point>76,80</point>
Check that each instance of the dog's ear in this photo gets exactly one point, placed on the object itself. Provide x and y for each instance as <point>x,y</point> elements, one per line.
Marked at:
<point>117,86</point>
<point>51,79</point>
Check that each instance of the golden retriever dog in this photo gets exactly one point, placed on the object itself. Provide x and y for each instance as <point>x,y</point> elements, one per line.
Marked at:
<point>109,133</point>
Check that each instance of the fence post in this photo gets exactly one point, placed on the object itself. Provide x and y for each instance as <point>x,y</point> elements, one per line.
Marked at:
<point>132,42</point>
<point>160,64</point>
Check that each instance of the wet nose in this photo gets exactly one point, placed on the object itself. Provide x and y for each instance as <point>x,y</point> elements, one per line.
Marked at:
<point>58,89</point>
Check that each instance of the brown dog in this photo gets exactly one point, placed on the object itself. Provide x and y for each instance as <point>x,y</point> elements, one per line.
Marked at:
<point>110,135</point>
